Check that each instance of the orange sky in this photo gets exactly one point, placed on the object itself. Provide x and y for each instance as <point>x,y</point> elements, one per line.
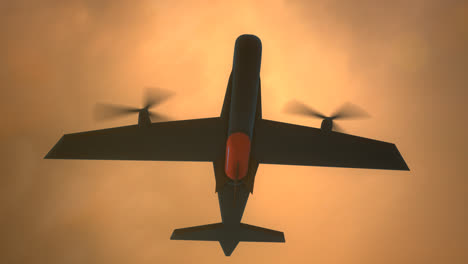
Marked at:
<point>403,61</point>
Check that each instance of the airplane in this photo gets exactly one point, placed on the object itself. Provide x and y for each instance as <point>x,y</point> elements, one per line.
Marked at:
<point>236,142</point>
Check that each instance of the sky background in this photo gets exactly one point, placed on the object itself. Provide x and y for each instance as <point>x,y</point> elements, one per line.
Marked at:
<point>403,61</point>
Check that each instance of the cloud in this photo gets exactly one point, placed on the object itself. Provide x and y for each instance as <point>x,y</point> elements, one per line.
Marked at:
<point>403,61</point>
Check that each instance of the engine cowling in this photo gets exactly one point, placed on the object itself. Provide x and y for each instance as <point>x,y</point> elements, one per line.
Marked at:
<point>327,125</point>
<point>144,118</point>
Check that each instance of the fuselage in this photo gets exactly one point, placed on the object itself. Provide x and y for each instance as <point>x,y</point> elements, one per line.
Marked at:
<point>245,90</point>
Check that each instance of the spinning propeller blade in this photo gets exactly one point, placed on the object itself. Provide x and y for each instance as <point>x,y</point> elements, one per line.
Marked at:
<point>349,111</point>
<point>298,108</point>
<point>346,111</point>
<point>109,111</point>
<point>154,97</point>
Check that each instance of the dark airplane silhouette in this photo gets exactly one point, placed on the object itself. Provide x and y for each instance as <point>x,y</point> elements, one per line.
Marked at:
<point>236,143</point>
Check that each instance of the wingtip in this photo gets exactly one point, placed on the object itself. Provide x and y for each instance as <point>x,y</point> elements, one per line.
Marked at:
<point>53,153</point>
<point>400,160</point>
<point>173,236</point>
<point>50,154</point>
<point>178,234</point>
<point>406,167</point>
<point>404,164</point>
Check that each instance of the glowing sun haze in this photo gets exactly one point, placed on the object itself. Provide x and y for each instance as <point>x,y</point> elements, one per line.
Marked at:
<point>403,61</point>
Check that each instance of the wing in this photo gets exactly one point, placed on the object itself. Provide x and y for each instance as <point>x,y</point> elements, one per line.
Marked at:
<point>282,143</point>
<point>187,140</point>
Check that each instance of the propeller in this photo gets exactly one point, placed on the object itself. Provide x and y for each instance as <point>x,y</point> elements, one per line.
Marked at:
<point>346,111</point>
<point>154,97</point>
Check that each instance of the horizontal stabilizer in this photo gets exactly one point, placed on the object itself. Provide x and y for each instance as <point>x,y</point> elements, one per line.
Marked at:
<point>205,233</point>
<point>259,234</point>
<point>228,236</point>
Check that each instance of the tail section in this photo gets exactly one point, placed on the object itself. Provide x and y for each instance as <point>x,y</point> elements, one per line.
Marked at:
<point>228,236</point>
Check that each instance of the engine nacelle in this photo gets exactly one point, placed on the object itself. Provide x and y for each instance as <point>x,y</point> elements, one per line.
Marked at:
<point>327,125</point>
<point>144,118</point>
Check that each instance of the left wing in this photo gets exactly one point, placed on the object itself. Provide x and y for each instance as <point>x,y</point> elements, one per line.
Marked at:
<point>282,143</point>
<point>187,140</point>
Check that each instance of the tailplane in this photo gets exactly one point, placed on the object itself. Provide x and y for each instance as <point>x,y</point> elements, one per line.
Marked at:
<point>228,236</point>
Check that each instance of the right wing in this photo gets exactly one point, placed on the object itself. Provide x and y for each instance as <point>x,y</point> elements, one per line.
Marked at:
<point>187,140</point>
<point>288,144</point>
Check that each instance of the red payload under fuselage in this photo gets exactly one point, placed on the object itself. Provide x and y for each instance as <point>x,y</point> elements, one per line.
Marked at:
<point>237,155</point>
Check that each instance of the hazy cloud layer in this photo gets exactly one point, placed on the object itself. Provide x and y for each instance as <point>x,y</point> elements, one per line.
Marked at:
<point>403,61</point>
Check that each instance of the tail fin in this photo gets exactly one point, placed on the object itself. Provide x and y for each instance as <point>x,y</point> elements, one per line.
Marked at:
<point>228,236</point>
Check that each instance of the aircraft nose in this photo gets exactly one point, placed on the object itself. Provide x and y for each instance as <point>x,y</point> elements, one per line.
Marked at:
<point>249,40</point>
